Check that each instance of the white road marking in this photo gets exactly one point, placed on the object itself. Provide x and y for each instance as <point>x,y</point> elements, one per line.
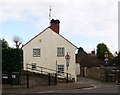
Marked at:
<point>44,92</point>
<point>91,87</point>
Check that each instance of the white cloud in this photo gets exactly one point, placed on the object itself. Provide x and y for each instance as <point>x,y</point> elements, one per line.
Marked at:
<point>96,19</point>
<point>10,43</point>
<point>20,9</point>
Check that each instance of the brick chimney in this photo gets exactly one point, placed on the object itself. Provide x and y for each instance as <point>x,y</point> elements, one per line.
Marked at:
<point>55,25</point>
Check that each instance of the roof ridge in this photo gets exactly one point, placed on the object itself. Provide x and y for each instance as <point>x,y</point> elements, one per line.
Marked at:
<point>35,36</point>
<point>54,32</point>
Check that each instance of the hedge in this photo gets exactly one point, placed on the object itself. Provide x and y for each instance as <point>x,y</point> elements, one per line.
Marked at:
<point>12,60</point>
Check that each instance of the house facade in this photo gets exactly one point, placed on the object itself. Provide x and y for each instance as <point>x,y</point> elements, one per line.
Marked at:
<point>48,49</point>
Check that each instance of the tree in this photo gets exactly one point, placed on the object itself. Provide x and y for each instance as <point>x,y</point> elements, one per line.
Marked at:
<point>11,58</point>
<point>101,49</point>
<point>80,49</point>
<point>4,43</point>
<point>115,61</point>
<point>17,41</point>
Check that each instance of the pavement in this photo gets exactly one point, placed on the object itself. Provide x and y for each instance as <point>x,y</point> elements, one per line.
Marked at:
<point>24,90</point>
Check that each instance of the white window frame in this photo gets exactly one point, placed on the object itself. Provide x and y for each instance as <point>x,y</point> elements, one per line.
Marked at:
<point>60,51</point>
<point>60,68</point>
<point>36,52</point>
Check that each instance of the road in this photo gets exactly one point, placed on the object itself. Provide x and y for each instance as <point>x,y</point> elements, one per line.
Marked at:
<point>97,87</point>
<point>84,86</point>
<point>86,90</point>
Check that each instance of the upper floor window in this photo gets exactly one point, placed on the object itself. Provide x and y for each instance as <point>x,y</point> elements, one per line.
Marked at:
<point>36,52</point>
<point>60,51</point>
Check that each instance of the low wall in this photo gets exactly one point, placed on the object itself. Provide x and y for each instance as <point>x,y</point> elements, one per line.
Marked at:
<point>101,73</point>
<point>32,78</point>
<point>98,73</point>
<point>36,79</point>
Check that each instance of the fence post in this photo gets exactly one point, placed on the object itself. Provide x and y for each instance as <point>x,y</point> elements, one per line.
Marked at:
<point>55,78</point>
<point>106,75</point>
<point>118,76</point>
<point>27,80</point>
<point>49,79</point>
<point>11,79</point>
<point>67,78</point>
<point>41,70</point>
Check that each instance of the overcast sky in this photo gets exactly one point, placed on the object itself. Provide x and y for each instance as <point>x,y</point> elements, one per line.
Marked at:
<point>85,23</point>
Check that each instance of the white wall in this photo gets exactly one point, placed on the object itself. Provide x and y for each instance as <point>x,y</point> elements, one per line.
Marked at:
<point>48,41</point>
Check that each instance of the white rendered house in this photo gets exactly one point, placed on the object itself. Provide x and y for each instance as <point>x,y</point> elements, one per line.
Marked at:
<point>48,49</point>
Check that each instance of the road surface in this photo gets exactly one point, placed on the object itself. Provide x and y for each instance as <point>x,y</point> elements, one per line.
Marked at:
<point>97,87</point>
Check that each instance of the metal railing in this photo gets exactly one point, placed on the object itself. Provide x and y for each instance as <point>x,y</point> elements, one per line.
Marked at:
<point>44,70</point>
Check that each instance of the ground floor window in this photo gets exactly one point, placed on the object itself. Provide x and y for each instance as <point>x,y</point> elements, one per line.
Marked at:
<point>33,66</point>
<point>60,68</point>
